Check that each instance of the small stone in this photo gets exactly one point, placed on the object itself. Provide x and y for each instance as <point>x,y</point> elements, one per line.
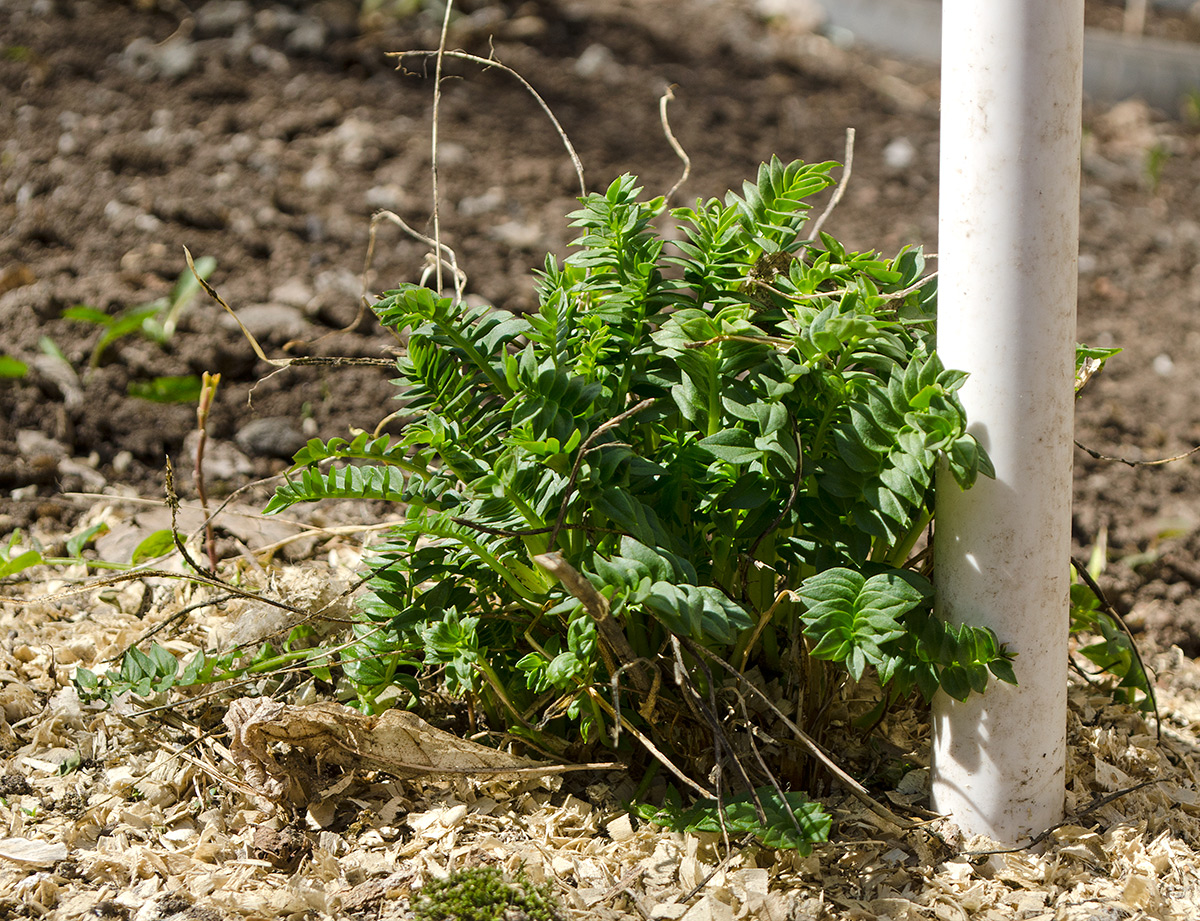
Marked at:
<point>474,205</point>
<point>899,154</point>
<point>804,15</point>
<point>523,28</point>
<point>223,15</point>
<point>517,234</point>
<point>293,292</point>
<point>31,443</point>
<point>451,153</point>
<point>386,197</point>
<point>597,62</point>
<point>78,476</point>
<point>319,176</point>
<point>149,60</point>
<point>223,462</point>
<point>1163,365</point>
<point>308,37</point>
<point>273,436</point>
<point>275,322</point>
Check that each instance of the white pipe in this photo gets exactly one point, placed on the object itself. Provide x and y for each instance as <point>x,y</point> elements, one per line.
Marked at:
<point>1008,242</point>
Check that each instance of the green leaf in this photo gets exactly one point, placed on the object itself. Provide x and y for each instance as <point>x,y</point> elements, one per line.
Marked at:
<point>734,446</point>
<point>170,389</point>
<point>154,545</point>
<point>700,612</point>
<point>23,561</point>
<point>851,617</point>
<point>87,314</point>
<point>12,367</point>
<point>80,539</point>
<point>384,483</point>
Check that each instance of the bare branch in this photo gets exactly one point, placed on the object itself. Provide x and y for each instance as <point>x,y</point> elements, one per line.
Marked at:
<point>492,62</point>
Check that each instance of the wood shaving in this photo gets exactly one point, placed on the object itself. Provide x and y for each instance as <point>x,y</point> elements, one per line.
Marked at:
<point>115,813</point>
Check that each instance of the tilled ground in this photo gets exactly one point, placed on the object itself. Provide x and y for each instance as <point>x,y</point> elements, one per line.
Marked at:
<point>265,136</point>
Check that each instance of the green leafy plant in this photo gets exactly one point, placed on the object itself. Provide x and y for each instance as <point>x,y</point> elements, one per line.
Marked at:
<point>145,674</point>
<point>20,554</point>
<point>483,894</point>
<point>156,320</point>
<point>1112,648</point>
<point>730,441</point>
<point>16,557</point>
<point>788,821</point>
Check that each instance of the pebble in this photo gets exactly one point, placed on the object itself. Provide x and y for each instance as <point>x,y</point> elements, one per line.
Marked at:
<point>598,63</point>
<point>523,28</point>
<point>79,476</point>
<point>518,234</point>
<point>223,15</point>
<point>272,436</point>
<point>387,197</point>
<point>121,217</point>
<point>293,292</point>
<point>308,37</point>
<point>31,442</point>
<point>269,59</point>
<point>806,15</point>
<point>319,176</point>
<point>899,154</point>
<point>491,200</point>
<point>223,461</point>
<point>275,322</point>
<point>149,60</point>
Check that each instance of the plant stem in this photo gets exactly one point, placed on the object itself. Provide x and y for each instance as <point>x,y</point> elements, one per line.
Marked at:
<point>208,391</point>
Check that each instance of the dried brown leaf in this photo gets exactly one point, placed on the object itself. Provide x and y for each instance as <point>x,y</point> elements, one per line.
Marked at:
<point>321,734</point>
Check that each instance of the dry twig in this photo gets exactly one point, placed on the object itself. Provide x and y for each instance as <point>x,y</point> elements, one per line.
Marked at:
<point>667,96</point>
<point>492,62</point>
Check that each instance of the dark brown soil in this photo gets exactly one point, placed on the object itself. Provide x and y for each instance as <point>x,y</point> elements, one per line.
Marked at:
<point>266,135</point>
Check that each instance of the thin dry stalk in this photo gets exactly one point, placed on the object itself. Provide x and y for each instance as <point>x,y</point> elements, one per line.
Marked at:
<point>208,392</point>
<point>847,166</point>
<point>675,145</point>
<point>492,62</point>
<point>1137,463</point>
<point>856,789</point>
<point>278,363</point>
<point>437,101</point>
<point>650,746</point>
<point>448,259</point>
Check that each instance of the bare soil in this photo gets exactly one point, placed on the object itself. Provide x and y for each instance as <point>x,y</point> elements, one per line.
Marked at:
<point>266,135</point>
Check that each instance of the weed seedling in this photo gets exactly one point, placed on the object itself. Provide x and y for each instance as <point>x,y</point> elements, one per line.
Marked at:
<point>156,320</point>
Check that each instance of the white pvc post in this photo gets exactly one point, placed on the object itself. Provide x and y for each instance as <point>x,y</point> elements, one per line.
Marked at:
<point>1008,244</point>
